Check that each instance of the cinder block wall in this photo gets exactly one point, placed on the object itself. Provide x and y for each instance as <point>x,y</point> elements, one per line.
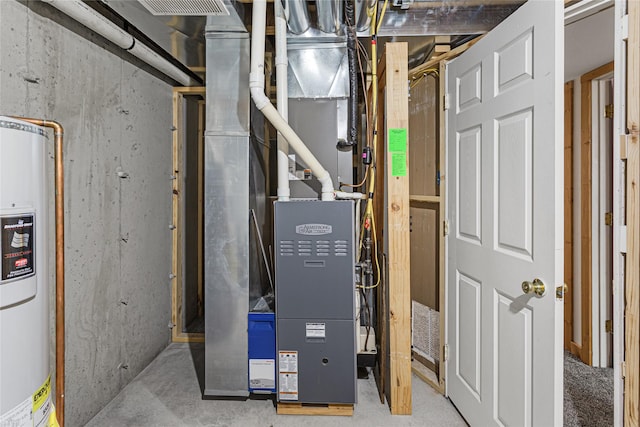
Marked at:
<point>117,116</point>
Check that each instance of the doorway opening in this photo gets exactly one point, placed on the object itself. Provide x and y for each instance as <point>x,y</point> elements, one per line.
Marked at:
<point>588,311</point>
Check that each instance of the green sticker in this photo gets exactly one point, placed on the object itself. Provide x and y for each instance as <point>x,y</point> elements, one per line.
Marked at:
<point>398,140</point>
<point>398,164</point>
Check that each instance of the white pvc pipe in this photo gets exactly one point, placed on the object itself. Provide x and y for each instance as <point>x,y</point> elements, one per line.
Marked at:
<point>93,20</point>
<point>284,192</point>
<point>256,85</point>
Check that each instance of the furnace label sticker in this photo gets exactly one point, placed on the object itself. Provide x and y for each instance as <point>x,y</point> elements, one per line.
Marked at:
<point>288,362</point>
<point>17,234</point>
<point>288,387</point>
<point>316,330</point>
<point>288,375</point>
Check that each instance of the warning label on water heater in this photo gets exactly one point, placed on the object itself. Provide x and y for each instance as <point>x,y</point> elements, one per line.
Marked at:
<point>16,245</point>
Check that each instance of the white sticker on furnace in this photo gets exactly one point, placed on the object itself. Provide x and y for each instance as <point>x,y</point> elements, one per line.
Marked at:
<point>288,362</point>
<point>288,387</point>
<point>288,375</point>
<point>316,330</point>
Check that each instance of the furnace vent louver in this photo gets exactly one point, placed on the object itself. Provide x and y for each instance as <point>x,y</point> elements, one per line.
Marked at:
<point>186,7</point>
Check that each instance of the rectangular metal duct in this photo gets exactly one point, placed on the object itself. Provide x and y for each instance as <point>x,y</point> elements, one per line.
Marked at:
<point>186,7</point>
<point>226,224</point>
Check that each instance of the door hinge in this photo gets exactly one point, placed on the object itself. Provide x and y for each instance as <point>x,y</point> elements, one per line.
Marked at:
<point>608,111</point>
<point>445,352</point>
<point>624,27</point>
<point>608,218</point>
<point>445,101</point>
<point>623,369</point>
<point>445,227</point>
<point>608,326</point>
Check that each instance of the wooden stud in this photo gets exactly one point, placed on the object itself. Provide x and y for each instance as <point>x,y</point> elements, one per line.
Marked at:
<point>201,129</point>
<point>586,208</point>
<point>424,199</point>
<point>632,273</point>
<point>396,229</point>
<point>568,213</point>
<point>575,349</point>
<point>176,291</point>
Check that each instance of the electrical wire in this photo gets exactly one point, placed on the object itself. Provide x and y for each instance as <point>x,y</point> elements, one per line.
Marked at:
<point>384,9</point>
<point>343,184</point>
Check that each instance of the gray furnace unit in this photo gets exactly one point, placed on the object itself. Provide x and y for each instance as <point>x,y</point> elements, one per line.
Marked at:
<point>315,287</point>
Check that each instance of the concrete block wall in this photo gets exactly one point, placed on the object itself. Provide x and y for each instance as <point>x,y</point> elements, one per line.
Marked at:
<point>117,116</point>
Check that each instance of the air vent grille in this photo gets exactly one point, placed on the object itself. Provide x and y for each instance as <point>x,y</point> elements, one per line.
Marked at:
<point>186,7</point>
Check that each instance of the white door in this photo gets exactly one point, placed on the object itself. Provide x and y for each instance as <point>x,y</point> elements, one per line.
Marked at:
<point>505,195</point>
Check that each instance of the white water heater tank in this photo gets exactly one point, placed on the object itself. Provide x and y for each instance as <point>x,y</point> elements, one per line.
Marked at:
<point>25,386</point>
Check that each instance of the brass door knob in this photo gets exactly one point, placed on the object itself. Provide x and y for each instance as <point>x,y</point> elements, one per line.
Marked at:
<point>536,287</point>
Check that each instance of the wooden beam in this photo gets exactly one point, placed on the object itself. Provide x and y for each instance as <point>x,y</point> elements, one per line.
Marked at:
<point>436,60</point>
<point>397,245</point>
<point>201,129</point>
<point>568,213</point>
<point>586,207</point>
<point>176,252</point>
<point>632,273</point>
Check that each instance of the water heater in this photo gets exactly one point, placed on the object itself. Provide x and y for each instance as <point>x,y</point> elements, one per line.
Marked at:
<point>25,388</point>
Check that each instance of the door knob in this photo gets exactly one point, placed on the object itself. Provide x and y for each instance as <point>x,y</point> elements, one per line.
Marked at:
<point>536,287</point>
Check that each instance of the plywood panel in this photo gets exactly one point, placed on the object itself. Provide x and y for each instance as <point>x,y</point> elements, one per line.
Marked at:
<point>424,136</point>
<point>424,255</point>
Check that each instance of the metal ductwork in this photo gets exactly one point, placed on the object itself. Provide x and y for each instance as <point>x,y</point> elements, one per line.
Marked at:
<point>298,14</point>
<point>330,15</point>
<point>363,14</point>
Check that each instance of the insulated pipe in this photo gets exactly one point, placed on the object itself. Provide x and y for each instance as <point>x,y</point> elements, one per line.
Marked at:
<point>59,215</point>
<point>284,192</point>
<point>93,20</point>
<point>256,85</point>
<point>297,16</point>
<point>329,15</point>
<point>352,135</point>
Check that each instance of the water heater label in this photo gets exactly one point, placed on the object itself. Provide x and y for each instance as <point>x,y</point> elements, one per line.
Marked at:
<point>16,243</point>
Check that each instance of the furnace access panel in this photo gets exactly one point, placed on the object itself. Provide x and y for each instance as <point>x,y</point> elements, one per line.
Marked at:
<point>315,315</point>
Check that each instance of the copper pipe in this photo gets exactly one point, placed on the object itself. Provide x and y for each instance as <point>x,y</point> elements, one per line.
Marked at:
<point>59,207</point>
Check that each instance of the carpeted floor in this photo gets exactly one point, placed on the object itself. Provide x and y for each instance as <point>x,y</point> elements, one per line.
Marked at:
<point>588,394</point>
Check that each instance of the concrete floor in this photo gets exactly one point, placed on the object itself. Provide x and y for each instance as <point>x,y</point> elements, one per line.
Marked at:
<point>167,393</point>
